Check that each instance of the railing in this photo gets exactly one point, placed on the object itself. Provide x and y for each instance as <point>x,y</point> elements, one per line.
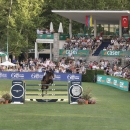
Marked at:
<point>82,35</point>
<point>64,36</point>
<point>45,36</point>
<point>51,36</point>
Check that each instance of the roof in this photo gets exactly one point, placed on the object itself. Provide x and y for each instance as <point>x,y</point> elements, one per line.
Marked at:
<point>102,16</point>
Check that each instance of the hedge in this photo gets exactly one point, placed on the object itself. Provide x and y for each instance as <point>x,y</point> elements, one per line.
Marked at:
<point>90,75</point>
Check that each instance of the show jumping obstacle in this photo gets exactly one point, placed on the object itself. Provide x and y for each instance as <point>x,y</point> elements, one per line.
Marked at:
<point>20,91</point>
<point>45,97</point>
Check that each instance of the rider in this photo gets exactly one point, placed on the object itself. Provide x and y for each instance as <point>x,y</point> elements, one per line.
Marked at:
<point>46,72</point>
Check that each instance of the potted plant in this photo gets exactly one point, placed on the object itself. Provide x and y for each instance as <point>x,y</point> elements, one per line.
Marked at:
<point>7,97</point>
<point>81,101</point>
<point>87,95</point>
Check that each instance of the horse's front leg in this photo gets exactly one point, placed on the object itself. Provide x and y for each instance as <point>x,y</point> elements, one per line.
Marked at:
<point>42,90</point>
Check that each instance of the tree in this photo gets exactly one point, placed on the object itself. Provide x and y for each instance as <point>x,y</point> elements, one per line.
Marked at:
<point>21,24</point>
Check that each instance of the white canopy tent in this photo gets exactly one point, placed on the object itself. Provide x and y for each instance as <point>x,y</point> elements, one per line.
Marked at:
<point>60,30</point>
<point>51,27</point>
<point>7,63</point>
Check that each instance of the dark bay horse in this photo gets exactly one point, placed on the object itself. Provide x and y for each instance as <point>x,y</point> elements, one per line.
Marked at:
<point>47,79</point>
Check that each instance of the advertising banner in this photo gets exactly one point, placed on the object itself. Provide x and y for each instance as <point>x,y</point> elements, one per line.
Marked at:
<point>74,52</point>
<point>39,76</point>
<point>113,82</point>
<point>115,53</point>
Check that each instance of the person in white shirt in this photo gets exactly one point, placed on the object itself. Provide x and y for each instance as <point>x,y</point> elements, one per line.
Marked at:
<point>100,38</point>
<point>39,68</point>
<point>104,49</point>
<point>112,41</point>
<point>39,31</point>
<point>56,69</point>
<point>94,67</point>
<point>70,54</point>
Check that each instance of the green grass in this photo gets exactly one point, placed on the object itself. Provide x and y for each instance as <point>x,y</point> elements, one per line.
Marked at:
<point>111,112</point>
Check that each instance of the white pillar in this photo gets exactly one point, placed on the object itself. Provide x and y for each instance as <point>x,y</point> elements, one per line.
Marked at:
<point>70,28</point>
<point>50,51</point>
<point>36,51</point>
<point>95,28</point>
<point>120,28</point>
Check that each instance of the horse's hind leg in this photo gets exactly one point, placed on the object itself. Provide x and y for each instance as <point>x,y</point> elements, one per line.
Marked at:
<point>47,88</point>
<point>42,91</point>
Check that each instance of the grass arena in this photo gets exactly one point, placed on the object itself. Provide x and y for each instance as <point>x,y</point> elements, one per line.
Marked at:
<point>111,110</point>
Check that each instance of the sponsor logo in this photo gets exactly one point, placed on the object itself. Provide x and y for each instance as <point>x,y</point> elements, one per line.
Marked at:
<point>36,76</point>
<point>17,75</point>
<point>72,77</point>
<point>113,53</point>
<point>108,80</point>
<point>99,79</point>
<point>115,82</point>
<point>2,75</point>
<point>57,76</point>
<point>121,84</point>
<point>17,91</point>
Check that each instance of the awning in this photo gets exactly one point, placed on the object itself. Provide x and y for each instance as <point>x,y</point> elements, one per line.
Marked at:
<point>101,16</point>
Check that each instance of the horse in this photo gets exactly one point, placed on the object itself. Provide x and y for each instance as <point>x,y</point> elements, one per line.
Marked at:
<point>47,79</point>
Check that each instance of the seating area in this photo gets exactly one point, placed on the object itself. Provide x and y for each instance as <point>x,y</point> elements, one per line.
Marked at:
<point>103,45</point>
<point>82,43</point>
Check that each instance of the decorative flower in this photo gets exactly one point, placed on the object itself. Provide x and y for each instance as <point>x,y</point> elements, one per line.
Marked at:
<point>91,101</point>
<point>81,101</point>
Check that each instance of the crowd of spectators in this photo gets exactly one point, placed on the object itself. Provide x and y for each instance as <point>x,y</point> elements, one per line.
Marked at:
<point>82,43</point>
<point>113,68</point>
<point>44,31</point>
<point>79,66</point>
<point>39,65</point>
<point>117,43</point>
<point>67,65</point>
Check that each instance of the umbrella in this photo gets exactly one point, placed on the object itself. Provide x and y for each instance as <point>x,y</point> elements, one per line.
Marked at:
<point>60,30</point>
<point>7,63</point>
<point>51,27</point>
<point>2,54</point>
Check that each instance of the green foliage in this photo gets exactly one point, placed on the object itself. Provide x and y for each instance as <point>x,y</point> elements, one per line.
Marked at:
<point>6,96</point>
<point>100,72</point>
<point>87,93</point>
<point>20,19</point>
<point>90,75</point>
